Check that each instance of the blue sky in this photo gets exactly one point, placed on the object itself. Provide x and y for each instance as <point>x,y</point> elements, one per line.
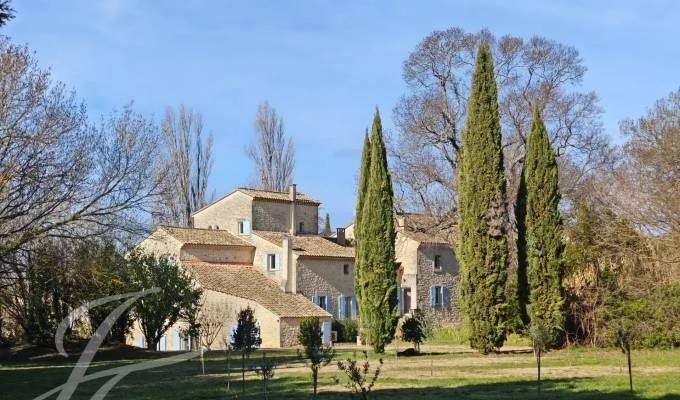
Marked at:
<point>324,65</point>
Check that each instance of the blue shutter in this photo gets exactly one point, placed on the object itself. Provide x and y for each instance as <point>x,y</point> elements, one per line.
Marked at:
<point>246,227</point>
<point>176,340</point>
<point>276,262</point>
<point>315,299</point>
<point>398,300</point>
<point>140,341</point>
<point>341,307</point>
<point>353,307</point>
<point>326,329</point>
<point>329,303</point>
<point>433,295</point>
<point>162,345</point>
<point>444,296</point>
<point>264,262</point>
<point>232,332</point>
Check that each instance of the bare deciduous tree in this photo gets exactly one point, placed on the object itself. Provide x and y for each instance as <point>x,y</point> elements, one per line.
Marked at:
<point>272,154</point>
<point>212,319</point>
<point>61,177</point>
<point>431,115</point>
<point>189,164</point>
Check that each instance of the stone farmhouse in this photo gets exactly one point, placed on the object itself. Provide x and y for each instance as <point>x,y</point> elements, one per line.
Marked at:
<point>263,249</point>
<point>427,270</point>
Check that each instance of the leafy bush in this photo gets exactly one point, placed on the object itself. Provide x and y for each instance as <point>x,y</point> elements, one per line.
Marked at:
<point>412,331</point>
<point>347,330</point>
<point>318,355</point>
<point>656,318</point>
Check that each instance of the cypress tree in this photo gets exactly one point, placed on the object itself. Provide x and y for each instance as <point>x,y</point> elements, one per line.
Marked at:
<point>327,226</point>
<point>543,231</point>
<point>378,283</point>
<point>482,215</point>
<point>522,293</point>
<point>358,238</point>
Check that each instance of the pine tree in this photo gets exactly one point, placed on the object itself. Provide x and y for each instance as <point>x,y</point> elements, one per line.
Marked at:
<point>482,214</point>
<point>327,226</point>
<point>543,231</point>
<point>378,281</point>
<point>358,237</point>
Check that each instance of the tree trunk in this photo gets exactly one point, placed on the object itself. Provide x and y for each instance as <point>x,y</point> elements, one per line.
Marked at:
<point>538,360</point>
<point>243,371</point>
<point>630,370</point>
<point>315,376</point>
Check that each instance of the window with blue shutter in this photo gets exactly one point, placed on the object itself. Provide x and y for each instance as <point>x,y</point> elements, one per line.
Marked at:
<point>398,300</point>
<point>353,307</point>
<point>176,341</point>
<point>341,307</point>
<point>315,299</point>
<point>276,262</point>
<point>329,304</point>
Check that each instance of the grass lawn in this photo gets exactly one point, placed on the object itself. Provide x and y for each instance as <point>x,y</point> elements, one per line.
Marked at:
<point>444,371</point>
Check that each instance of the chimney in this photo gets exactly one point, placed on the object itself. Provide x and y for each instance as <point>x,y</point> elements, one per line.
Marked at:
<point>292,190</point>
<point>287,266</point>
<point>340,237</point>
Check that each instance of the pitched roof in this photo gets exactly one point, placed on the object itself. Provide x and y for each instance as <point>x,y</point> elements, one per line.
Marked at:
<point>278,196</point>
<point>269,195</point>
<point>248,283</point>
<point>423,228</point>
<point>213,237</point>
<point>309,245</point>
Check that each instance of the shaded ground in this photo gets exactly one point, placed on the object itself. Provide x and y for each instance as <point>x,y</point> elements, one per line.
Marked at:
<point>442,372</point>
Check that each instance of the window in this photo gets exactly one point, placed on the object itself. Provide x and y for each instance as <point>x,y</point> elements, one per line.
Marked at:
<point>271,262</point>
<point>217,227</point>
<point>437,262</point>
<point>302,227</point>
<point>345,269</point>
<point>323,302</point>
<point>243,227</point>
<point>438,296</point>
<point>348,307</point>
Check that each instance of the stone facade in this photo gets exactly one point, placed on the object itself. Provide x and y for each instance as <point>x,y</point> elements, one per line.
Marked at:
<point>325,277</point>
<point>216,254</point>
<point>446,277</point>
<point>225,213</point>
<point>275,216</point>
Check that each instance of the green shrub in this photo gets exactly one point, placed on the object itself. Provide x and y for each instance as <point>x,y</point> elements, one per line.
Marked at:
<point>655,318</point>
<point>347,330</point>
<point>412,331</point>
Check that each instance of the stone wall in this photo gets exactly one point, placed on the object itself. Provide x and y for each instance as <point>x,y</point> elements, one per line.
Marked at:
<point>325,277</point>
<point>275,216</point>
<point>226,213</point>
<point>225,254</point>
<point>448,277</point>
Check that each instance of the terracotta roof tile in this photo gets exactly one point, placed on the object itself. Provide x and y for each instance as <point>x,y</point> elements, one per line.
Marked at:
<point>310,245</point>
<point>213,237</point>
<point>278,196</point>
<point>248,283</point>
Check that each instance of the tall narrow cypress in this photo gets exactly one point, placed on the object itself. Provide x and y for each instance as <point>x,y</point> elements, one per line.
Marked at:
<point>362,188</point>
<point>378,280</point>
<point>543,231</point>
<point>482,214</point>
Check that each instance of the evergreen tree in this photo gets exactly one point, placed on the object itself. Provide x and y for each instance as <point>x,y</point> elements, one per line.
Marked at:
<point>358,238</point>
<point>327,226</point>
<point>543,231</point>
<point>522,286</point>
<point>378,282</point>
<point>482,214</point>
